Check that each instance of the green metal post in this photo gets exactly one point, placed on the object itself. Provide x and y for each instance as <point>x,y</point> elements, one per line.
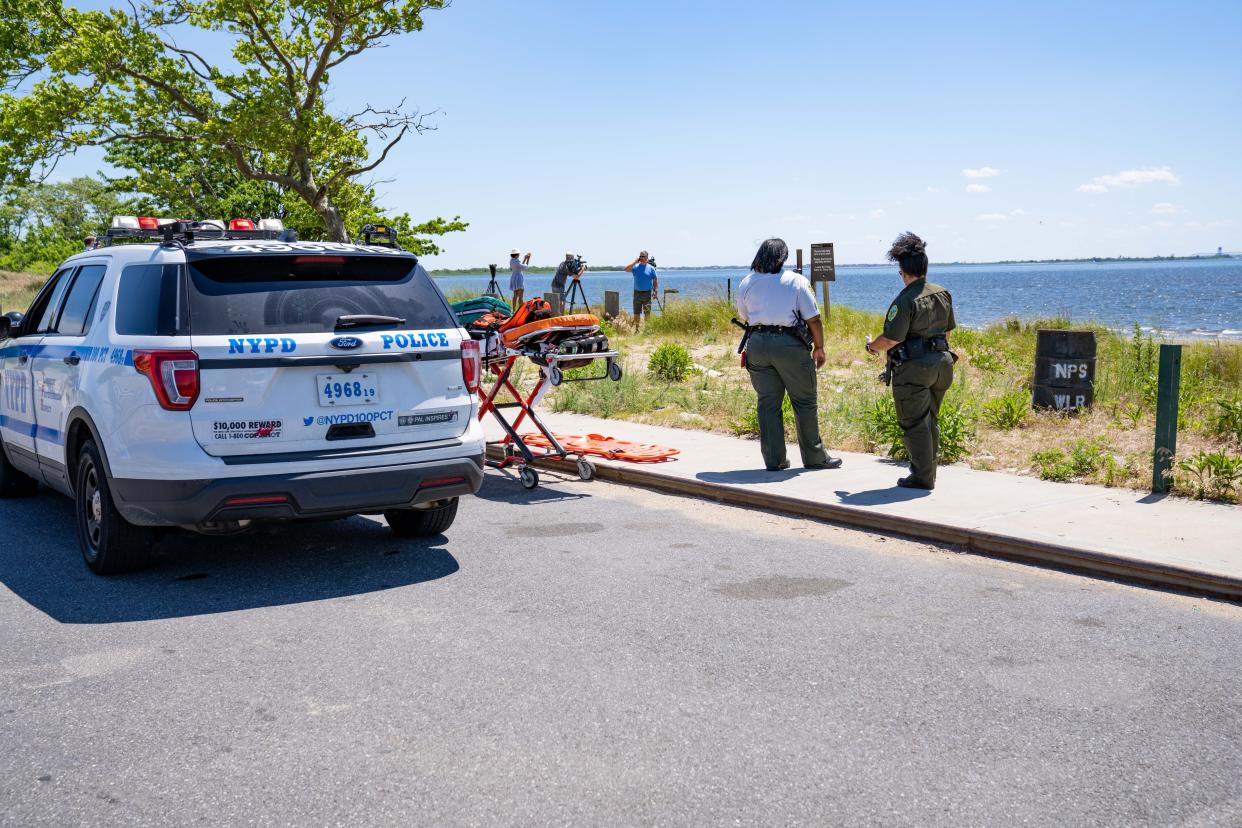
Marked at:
<point>1168,391</point>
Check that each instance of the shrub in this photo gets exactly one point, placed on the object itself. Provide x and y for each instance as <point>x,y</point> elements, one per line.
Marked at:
<point>1216,475</point>
<point>669,363</point>
<point>1089,456</point>
<point>881,428</point>
<point>1007,412</point>
<point>1051,464</point>
<point>1228,422</point>
<point>987,359</point>
<point>957,429</point>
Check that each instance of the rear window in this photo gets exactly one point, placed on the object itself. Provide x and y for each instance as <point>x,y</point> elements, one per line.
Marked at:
<point>306,294</point>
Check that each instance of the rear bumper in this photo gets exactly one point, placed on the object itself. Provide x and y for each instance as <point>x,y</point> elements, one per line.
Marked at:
<point>294,496</point>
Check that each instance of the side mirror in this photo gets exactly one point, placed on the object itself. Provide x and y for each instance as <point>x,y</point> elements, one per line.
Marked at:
<point>14,318</point>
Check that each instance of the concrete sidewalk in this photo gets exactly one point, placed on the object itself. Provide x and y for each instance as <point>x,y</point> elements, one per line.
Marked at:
<point>1118,532</point>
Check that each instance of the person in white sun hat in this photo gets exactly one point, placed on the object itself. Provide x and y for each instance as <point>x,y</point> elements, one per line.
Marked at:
<point>518,265</point>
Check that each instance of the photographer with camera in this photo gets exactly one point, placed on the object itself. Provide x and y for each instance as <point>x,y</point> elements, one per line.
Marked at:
<point>646,282</point>
<point>920,364</point>
<point>572,268</point>
<point>784,348</point>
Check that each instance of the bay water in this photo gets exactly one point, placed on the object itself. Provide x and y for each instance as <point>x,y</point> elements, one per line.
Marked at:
<point>1181,299</point>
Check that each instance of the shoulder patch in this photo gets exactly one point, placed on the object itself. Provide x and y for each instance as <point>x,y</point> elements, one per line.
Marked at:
<point>892,312</point>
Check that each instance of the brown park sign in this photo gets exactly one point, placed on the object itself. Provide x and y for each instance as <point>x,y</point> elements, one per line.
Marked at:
<point>823,263</point>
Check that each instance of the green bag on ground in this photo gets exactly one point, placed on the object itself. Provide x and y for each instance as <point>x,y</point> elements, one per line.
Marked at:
<point>470,310</point>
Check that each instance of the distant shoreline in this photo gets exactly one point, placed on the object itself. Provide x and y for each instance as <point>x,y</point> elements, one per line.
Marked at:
<point>500,272</point>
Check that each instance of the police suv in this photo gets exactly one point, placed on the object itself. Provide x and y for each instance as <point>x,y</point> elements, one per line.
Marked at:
<point>217,375</point>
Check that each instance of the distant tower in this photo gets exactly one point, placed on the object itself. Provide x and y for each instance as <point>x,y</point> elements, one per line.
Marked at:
<point>1220,251</point>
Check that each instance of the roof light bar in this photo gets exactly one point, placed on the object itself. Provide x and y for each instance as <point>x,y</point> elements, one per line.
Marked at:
<point>152,228</point>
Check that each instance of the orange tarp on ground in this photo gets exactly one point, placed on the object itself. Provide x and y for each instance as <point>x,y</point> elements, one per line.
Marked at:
<point>609,447</point>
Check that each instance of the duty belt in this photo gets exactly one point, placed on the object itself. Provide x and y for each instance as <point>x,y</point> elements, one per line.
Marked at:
<point>781,329</point>
<point>918,346</point>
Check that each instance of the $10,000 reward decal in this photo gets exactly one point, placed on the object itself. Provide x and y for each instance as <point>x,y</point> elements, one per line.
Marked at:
<point>247,429</point>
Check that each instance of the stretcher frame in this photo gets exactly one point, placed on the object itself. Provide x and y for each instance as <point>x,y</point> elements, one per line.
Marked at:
<point>516,451</point>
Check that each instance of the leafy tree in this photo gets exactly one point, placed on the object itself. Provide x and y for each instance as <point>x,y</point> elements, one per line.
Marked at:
<point>42,224</point>
<point>172,181</point>
<point>119,78</point>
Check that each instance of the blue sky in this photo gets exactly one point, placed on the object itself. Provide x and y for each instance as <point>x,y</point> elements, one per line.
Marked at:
<point>696,129</point>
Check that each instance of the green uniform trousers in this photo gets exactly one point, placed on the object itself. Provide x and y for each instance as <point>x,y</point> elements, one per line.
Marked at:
<point>919,387</point>
<point>779,364</point>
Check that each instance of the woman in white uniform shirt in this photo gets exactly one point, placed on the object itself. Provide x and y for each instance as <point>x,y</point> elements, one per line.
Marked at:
<point>770,299</point>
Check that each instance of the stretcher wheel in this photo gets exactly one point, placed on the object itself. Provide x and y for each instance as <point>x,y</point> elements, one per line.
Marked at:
<point>614,370</point>
<point>529,477</point>
<point>555,375</point>
<point>586,469</point>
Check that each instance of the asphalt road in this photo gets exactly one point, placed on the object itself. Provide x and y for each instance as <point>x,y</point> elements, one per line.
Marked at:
<point>590,654</point>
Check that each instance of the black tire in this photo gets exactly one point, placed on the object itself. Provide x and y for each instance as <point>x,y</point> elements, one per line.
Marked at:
<point>529,477</point>
<point>110,544</point>
<point>422,523</point>
<point>13,482</point>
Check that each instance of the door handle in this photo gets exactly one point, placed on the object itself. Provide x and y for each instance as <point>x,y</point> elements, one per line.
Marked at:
<point>72,359</point>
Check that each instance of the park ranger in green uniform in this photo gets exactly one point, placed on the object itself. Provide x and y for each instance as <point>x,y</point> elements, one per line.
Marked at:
<point>915,340</point>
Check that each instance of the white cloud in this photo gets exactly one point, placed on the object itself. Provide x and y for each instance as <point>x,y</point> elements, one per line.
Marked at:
<point>981,172</point>
<point>1131,178</point>
<point>1017,212</point>
<point>978,188</point>
<point>877,213</point>
<point>1164,208</point>
<point>933,189</point>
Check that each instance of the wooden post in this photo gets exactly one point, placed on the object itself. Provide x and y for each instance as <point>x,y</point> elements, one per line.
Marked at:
<point>612,304</point>
<point>554,299</point>
<point>800,260</point>
<point>827,304</point>
<point>1168,391</point>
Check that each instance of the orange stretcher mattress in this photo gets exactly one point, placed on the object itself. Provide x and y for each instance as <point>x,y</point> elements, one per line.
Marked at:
<point>608,447</point>
<point>555,327</point>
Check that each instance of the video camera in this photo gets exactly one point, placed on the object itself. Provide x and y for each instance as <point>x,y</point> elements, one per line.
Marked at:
<point>382,235</point>
<point>576,264</point>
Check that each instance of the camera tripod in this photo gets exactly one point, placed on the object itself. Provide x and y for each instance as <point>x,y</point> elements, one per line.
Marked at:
<point>575,293</point>
<point>493,289</point>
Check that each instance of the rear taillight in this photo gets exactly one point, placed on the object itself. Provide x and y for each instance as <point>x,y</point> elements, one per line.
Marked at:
<point>173,376</point>
<point>471,364</point>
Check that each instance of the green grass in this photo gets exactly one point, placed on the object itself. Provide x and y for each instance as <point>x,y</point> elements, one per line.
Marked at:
<point>17,290</point>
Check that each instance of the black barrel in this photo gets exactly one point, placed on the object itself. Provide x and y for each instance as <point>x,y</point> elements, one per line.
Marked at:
<point>1064,370</point>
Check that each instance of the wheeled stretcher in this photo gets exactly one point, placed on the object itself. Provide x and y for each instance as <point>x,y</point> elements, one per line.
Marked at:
<point>555,345</point>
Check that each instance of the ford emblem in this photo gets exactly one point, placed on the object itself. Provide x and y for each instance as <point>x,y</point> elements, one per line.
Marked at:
<point>346,343</point>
